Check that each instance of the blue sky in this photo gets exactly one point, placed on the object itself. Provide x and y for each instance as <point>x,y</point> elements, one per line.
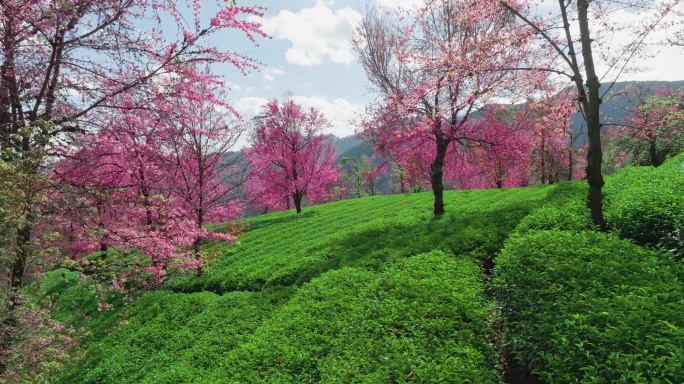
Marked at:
<point>310,56</point>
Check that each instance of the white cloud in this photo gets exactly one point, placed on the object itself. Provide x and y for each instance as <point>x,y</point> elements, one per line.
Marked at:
<point>271,73</point>
<point>275,71</point>
<point>392,3</point>
<point>340,112</point>
<point>315,33</point>
<point>248,107</point>
<point>232,86</point>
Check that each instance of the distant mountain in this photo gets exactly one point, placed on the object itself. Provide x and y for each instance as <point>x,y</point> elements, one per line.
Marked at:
<point>615,108</point>
<point>343,144</point>
<point>358,150</point>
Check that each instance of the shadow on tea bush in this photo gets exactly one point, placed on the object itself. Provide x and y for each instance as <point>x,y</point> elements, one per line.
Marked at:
<point>589,307</point>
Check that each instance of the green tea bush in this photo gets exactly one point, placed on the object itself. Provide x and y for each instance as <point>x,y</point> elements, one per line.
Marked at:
<point>571,216</point>
<point>645,203</point>
<point>566,210</point>
<point>283,249</point>
<point>171,338</point>
<point>588,307</point>
<point>673,240</point>
<point>393,314</point>
<point>422,320</point>
<point>674,164</point>
<point>79,302</point>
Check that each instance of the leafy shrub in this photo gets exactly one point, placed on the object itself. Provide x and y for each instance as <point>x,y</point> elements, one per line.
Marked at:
<point>422,320</point>
<point>644,203</point>
<point>171,338</point>
<point>34,347</point>
<point>283,249</point>
<point>588,307</point>
<point>566,210</point>
<point>673,242</point>
<point>79,302</point>
<point>571,216</point>
<point>674,164</point>
<point>166,337</point>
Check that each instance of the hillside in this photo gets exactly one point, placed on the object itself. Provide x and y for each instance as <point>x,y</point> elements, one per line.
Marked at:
<point>613,110</point>
<point>615,107</point>
<point>377,290</point>
<point>254,292</point>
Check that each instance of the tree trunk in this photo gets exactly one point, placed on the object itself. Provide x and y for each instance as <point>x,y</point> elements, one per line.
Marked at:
<point>543,157</point>
<point>653,153</point>
<point>437,173</point>
<point>196,248</point>
<point>19,264</point>
<point>101,226</point>
<point>593,102</point>
<point>198,241</point>
<point>570,163</point>
<point>297,197</point>
<point>402,189</point>
<point>22,248</point>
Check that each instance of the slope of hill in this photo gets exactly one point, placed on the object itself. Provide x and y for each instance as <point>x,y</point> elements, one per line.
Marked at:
<point>343,144</point>
<point>304,298</point>
<point>377,290</point>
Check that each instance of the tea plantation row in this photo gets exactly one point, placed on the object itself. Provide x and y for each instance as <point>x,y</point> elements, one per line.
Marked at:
<point>376,290</point>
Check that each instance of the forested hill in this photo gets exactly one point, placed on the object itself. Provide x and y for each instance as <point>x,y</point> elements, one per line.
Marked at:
<point>614,109</point>
<point>615,106</point>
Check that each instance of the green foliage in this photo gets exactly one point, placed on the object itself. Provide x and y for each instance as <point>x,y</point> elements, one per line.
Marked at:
<point>646,204</point>
<point>20,187</point>
<point>569,213</point>
<point>282,249</point>
<point>422,320</point>
<point>361,174</point>
<point>79,302</point>
<point>571,216</point>
<point>171,338</point>
<point>588,307</point>
<point>345,292</point>
<point>674,164</point>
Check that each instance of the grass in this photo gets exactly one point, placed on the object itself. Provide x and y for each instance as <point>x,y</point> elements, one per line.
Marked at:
<point>377,290</point>
<point>366,290</point>
<point>507,285</point>
<point>282,249</point>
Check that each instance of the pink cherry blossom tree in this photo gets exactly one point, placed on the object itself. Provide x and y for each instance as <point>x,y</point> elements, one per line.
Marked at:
<point>120,176</point>
<point>579,37</point>
<point>154,177</point>
<point>206,172</point>
<point>501,152</point>
<point>290,157</point>
<point>363,174</point>
<point>654,131</point>
<point>433,65</point>
<point>62,62</point>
